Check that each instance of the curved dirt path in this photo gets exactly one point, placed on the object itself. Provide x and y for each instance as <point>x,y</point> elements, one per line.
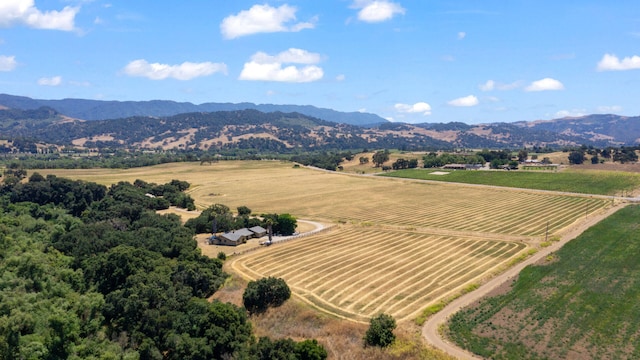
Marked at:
<point>317,228</point>
<point>430,330</point>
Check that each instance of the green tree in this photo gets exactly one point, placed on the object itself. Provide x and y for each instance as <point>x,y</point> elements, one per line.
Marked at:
<point>576,157</point>
<point>310,350</point>
<point>287,349</point>
<point>380,332</point>
<point>264,293</point>
<point>380,157</point>
<point>286,224</point>
<point>522,156</point>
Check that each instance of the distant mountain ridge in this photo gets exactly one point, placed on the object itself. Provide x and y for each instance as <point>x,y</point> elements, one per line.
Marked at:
<point>276,131</point>
<point>102,110</point>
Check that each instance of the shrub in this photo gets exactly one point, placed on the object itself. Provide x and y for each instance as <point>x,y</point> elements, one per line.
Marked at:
<point>264,293</point>
<point>380,332</point>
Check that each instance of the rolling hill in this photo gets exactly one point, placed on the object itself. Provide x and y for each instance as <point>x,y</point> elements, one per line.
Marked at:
<point>103,110</point>
<point>278,131</point>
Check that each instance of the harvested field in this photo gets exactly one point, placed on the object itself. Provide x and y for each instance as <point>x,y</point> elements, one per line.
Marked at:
<point>401,245</point>
<point>357,272</point>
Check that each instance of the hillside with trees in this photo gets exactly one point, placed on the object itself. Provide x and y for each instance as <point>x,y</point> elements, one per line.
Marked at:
<point>104,110</point>
<point>90,272</point>
<point>248,130</point>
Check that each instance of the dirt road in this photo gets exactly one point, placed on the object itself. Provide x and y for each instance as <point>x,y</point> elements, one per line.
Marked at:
<point>430,328</point>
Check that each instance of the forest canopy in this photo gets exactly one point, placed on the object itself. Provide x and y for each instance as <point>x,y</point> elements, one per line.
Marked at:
<point>90,272</point>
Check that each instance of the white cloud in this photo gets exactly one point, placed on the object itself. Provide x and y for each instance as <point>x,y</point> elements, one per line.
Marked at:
<point>570,113</point>
<point>263,19</point>
<point>362,110</point>
<point>52,81</point>
<point>611,62</point>
<point>609,109</point>
<point>419,107</point>
<point>293,55</point>
<point>544,85</point>
<point>25,12</point>
<point>488,86</point>
<point>341,77</point>
<point>466,101</point>
<point>7,63</point>
<point>377,10</point>
<point>264,67</point>
<point>184,71</point>
<point>491,85</point>
<point>462,35</point>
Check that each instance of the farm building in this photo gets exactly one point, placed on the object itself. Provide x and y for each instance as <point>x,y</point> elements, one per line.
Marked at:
<point>225,240</point>
<point>455,167</point>
<point>462,166</point>
<point>258,231</point>
<point>237,237</point>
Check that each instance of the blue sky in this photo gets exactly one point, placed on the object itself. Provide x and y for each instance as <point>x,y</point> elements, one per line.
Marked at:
<point>406,60</point>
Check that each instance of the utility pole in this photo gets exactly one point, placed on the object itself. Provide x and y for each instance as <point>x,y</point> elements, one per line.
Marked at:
<point>546,234</point>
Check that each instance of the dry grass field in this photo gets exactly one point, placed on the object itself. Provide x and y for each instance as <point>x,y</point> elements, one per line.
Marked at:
<point>364,271</point>
<point>401,245</point>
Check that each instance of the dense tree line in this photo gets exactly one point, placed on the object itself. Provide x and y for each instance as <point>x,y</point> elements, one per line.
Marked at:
<point>323,160</point>
<point>404,164</point>
<point>623,154</point>
<point>437,160</point>
<point>113,281</point>
<point>220,218</point>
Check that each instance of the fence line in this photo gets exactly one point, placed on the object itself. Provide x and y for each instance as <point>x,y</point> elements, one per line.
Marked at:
<point>287,239</point>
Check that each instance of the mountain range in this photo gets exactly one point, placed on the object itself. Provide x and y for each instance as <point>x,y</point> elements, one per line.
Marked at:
<point>103,110</point>
<point>282,128</point>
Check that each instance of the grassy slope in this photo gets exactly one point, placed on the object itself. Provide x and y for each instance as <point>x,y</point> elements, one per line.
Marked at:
<point>585,182</point>
<point>582,304</point>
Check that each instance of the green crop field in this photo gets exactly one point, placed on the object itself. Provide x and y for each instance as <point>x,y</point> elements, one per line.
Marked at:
<point>577,181</point>
<point>582,304</point>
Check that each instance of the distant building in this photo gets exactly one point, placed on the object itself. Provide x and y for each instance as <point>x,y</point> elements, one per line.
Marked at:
<point>462,166</point>
<point>237,237</point>
<point>455,167</point>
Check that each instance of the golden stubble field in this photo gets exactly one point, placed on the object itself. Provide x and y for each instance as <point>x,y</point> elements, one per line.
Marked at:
<point>398,246</point>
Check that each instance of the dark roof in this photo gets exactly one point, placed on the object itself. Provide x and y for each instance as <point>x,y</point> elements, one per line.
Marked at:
<point>231,236</point>
<point>258,229</point>
<point>236,235</point>
<point>244,231</point>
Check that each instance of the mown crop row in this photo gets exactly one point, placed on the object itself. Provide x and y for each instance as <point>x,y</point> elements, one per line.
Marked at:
<point>358,272</point>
